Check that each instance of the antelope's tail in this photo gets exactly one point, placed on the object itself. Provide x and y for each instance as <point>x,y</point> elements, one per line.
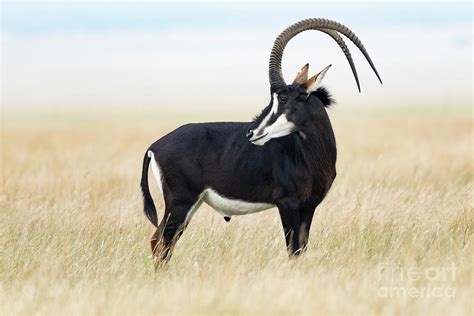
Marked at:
<point>148,205</point>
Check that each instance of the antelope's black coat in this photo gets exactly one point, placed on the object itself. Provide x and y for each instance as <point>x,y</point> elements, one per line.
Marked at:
<point>293,172</point>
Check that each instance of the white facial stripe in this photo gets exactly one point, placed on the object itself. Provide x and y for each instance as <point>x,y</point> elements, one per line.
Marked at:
<point>264,122</point>
<point>274,110</point>
<point>275,103</point>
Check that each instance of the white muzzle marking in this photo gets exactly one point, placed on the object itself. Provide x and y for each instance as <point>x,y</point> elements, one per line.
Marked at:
<point>281,127</point>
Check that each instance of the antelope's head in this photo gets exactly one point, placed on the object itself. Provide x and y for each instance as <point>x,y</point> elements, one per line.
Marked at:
<point>288,110</point>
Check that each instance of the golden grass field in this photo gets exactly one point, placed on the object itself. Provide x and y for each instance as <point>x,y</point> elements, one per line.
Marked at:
<point>74,239</point>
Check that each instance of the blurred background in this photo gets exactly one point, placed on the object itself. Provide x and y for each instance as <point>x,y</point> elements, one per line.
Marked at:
<point>208,61</point>
<point>87,87</point>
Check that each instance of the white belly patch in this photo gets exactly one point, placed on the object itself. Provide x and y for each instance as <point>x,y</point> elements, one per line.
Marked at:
<point>229,207</point>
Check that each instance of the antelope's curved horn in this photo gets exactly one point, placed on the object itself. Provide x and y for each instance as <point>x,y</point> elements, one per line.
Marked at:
<point>274,71</point>
<point>342,45</point>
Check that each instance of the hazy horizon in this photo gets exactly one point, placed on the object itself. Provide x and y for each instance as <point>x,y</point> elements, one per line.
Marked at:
<point>165,57</point>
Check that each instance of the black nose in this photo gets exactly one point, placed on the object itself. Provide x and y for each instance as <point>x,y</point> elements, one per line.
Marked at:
<point>249,133</point>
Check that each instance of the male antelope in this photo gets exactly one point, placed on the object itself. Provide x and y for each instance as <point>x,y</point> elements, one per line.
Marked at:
<point>285,157</point>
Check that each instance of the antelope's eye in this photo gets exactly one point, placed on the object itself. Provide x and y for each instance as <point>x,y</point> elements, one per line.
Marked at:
<point>282,98</point>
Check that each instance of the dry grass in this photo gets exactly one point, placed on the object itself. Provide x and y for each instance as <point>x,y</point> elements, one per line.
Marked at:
<point>73,238</point>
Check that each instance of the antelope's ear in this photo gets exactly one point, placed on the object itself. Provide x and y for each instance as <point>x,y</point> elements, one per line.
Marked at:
<point>302,76</point>
<point>315,81</point>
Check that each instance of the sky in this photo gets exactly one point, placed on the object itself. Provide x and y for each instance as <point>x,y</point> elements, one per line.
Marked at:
<point>59,56</point>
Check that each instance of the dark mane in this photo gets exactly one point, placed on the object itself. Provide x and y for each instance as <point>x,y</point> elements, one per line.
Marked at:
<point>324,96</point>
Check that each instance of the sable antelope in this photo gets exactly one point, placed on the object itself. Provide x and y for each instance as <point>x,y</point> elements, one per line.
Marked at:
<point>285,157</point>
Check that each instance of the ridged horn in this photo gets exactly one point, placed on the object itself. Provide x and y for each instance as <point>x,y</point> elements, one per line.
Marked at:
<point>275,74</point>
<point>335,35</point>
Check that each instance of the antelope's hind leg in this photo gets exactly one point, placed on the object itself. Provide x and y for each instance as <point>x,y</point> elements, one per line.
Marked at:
<point>176,218</point>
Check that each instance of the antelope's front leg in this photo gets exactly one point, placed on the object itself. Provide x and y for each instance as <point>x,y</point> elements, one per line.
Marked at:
<point>290,218</point>
<point>306,217</point>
